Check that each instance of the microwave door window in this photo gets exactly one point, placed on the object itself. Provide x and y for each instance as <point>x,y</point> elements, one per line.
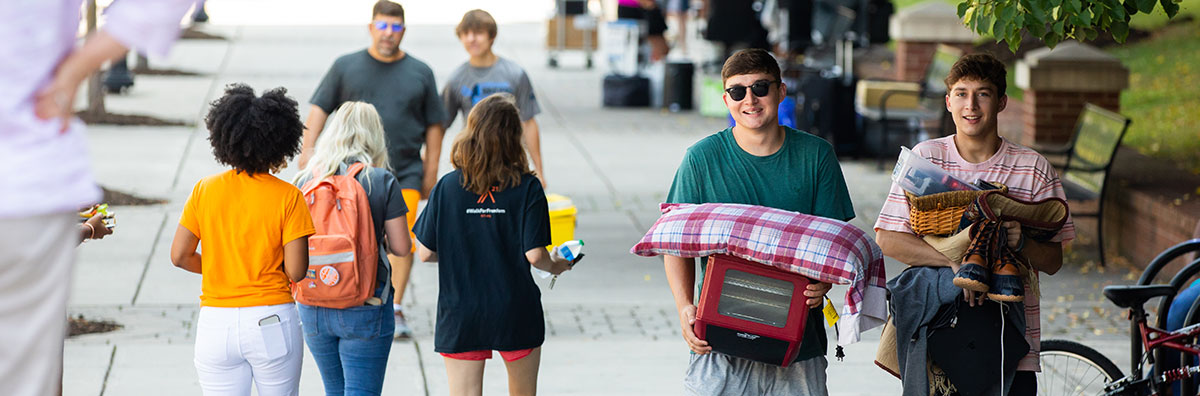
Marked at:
<point>755,298</point>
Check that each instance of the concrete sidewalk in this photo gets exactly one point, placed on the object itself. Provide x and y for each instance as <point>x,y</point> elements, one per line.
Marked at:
<point>611,325</point>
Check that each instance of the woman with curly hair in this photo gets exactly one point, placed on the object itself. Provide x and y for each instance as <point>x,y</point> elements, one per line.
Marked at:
<point>255,230</point>
<point>351,345</point>
<point>487,222</point>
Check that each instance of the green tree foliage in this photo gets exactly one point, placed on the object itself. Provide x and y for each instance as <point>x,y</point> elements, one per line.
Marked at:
<point>1056,20</point>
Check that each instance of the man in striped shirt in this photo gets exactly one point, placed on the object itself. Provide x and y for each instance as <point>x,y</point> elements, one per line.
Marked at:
<point>975,96</point>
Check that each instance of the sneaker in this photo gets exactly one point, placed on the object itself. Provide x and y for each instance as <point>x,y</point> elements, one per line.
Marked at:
<point>402,332</point>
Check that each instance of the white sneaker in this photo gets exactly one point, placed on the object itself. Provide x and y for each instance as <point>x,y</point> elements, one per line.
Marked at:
<point>402,332</point>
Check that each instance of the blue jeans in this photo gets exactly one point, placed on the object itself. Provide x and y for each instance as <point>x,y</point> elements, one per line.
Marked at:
<point>351,346</point>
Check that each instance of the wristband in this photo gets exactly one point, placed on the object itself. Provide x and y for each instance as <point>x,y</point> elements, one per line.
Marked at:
<point>93,229</point>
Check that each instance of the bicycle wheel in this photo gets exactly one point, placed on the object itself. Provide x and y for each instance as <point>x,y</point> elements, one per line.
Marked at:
<point>1071,368</point>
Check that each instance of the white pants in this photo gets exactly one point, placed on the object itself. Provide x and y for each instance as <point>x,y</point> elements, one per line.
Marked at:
<point>232,350</point>
<point>36,257</point>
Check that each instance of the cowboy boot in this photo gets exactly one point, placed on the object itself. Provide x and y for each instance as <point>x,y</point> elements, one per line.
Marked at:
<point>973,273</point>
<point>1006,285</point>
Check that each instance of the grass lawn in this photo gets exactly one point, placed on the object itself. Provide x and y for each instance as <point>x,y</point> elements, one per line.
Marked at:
<point>1163,98</point>
<point>1158,18</point>
<point>902,4</point>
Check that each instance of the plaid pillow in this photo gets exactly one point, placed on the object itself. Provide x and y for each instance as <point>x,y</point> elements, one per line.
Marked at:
<point>824,249</point>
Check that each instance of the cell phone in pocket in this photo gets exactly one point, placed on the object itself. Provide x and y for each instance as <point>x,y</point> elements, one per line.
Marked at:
<point>274,342</point>
<point>268,320</point>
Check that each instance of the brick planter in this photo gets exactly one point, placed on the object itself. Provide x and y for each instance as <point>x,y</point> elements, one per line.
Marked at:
<point>1054,121</point>
<point>919,29</point>
<point>1058,82</point>
<point>913,57</point>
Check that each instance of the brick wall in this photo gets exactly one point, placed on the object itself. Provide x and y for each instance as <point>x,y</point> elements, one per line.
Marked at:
<point>913,57</point>
<point>1050,116</point>
<point>1151,206</point>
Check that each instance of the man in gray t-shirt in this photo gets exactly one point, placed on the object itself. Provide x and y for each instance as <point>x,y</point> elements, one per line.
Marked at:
<point>401,88</point>
<point>404,92</point>
<point>485,74</point>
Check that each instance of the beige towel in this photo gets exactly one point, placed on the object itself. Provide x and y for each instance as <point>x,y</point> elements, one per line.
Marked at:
<point>954,246</point>
<point>886,357</point>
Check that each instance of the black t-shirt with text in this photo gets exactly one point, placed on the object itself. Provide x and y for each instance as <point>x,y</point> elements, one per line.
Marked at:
<point>487,299</point>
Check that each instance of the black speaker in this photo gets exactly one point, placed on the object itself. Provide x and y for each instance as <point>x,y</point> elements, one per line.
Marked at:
<point>677,85</point>
<point>800,24</point>
<point>573,7</point>
<point>825,107</point>
<point>626,91</point>
<point>879,13</point>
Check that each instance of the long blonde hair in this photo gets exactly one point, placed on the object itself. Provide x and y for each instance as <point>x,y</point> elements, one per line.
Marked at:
<point>489,151</point>
<point>354,134</point>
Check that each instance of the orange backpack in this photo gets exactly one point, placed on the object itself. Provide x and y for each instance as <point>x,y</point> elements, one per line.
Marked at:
<point>343,256</point>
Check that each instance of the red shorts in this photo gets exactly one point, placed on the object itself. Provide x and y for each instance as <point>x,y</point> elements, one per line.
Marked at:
<point>509,356</point>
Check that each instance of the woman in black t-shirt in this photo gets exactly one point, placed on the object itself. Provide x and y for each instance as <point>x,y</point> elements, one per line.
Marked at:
<point>487,222</point>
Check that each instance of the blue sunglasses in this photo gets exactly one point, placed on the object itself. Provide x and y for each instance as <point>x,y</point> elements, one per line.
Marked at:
<point>383,26</point>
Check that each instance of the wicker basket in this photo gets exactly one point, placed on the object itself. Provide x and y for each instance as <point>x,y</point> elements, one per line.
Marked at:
<point>941,213</point>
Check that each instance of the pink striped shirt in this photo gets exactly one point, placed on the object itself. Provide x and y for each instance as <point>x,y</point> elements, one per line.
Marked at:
<point>1028,176</point>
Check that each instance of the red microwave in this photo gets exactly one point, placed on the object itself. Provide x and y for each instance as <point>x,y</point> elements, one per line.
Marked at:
<point>752,311</point>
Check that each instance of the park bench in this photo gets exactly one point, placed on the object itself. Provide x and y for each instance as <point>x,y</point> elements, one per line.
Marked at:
<point>1087,159</point>
<point>890,102</point>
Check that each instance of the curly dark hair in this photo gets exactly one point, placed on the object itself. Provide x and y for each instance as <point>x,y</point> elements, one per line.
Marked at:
<point>979,67</point>
<point>251,133</point>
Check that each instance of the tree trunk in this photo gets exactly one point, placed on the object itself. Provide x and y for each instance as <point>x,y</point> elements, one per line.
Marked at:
<point>95,91</point>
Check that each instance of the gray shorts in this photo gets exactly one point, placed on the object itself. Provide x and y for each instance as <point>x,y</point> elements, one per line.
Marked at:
<point>720,374</point>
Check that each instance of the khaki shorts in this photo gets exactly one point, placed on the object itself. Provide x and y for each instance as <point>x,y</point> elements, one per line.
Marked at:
<point>36,257</point>
<point>411,199</point>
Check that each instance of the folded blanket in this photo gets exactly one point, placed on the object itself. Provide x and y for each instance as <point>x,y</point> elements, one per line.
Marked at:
<point>824,249</point>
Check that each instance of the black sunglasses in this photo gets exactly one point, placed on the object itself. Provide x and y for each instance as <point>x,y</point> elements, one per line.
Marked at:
<point>759,88</point>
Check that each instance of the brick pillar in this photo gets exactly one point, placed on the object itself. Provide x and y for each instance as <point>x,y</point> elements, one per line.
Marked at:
<point>1058,82</point>
<point>919,29</point>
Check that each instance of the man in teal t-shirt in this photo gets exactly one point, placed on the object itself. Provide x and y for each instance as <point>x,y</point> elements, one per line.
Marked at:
<point>756,162</point>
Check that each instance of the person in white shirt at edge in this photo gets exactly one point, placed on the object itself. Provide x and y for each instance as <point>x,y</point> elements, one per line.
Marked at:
<point>45,152</point>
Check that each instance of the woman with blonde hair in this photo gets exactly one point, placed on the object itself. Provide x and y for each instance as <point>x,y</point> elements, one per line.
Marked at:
<point>351,345</point>
<point>486,223</point>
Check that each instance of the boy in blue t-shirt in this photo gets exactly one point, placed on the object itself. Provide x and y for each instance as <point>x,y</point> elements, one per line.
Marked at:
<point>756,162</point>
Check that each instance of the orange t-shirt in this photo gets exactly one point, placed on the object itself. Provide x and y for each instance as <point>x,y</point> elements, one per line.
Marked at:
<point>243,222</point>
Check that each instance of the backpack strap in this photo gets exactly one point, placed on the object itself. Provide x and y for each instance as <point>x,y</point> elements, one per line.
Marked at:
<point>354,169</point>
<point>313,183</point>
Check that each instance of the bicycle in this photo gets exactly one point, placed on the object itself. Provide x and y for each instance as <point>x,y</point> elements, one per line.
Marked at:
<point>1071,368</point>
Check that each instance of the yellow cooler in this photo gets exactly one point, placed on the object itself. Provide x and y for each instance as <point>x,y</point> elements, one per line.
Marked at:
<point>562,219</point>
